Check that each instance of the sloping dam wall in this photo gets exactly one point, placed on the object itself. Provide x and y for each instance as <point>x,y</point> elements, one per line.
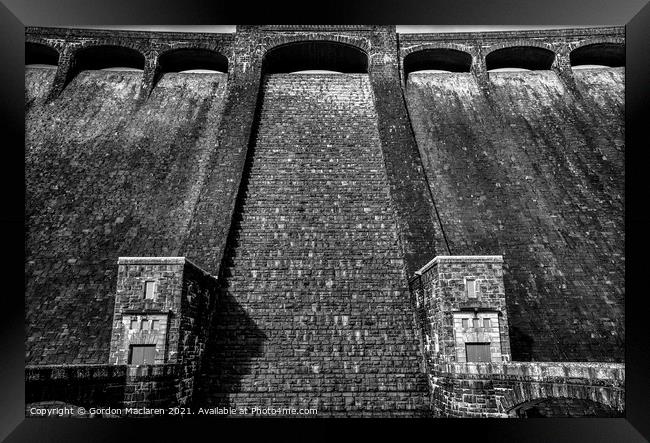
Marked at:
<point>107,175</point>
<point>532,167</point>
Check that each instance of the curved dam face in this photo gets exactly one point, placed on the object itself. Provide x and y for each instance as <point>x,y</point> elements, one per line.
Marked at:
<point>533,169</point>
<point>106,176</point>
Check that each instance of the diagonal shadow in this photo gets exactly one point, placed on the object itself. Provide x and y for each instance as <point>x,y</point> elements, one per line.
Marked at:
<point>234,339</point>
<point>233,342</point>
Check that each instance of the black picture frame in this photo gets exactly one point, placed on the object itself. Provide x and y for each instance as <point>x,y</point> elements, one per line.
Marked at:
<point>635,15</point>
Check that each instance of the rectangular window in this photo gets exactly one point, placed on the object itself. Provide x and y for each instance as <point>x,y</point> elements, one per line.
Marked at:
<point>142,354</point>
<point>466,323</point>
<point>154,325</point>
<point>134,323</point>
<point>470,287</point>
<point>476,322</point>
<point>486,322</point>
<point>149,290</point>
<point>478,352</point>
<point>145,325</point>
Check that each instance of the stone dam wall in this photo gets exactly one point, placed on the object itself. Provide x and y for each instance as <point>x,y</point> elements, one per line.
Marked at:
<point>316,310</point>
<point>534,172</point>
<point>106,176</point>
<point>314,198</point>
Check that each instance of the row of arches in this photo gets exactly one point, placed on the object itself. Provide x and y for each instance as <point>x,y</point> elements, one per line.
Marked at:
<point>517,57</point>
<point>111,56</point>
<point>327,56</point>
<point>291,57</point>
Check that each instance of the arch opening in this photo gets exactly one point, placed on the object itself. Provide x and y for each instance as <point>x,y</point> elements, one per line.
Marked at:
<point>510,70</point>
<point>40,55</point>
<point>520,57</point>
<point>316,71</point>
<point>610,55</point>
<point>579,67</point>
<point>192,60</point>
<point>329,56</point>
<point>437,60</point>
<point>562,407</point>
<point>113,58</point>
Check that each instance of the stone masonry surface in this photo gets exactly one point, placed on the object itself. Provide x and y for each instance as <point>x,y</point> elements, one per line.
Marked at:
<point>106,177</point>
<point>315,265</point>
<point>494,386</point>
<point>532,172</point>
<point>314,198</point>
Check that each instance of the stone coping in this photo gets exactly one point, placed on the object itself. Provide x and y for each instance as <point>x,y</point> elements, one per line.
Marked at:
<point>460,259</point>
<point>481,35</point>
<point>312,28</point>
<point>151,260</point>
<point>162,261</point>
<point>79,33</point>
<point>160,370</point>
<point>145,311</point>
<point>537,370</point>
<point>512,34</point>
<point>35,373</point>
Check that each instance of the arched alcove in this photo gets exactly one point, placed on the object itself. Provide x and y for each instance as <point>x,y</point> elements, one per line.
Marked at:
<point>438,59</point>
<point>39,54</point>
<point>108,57</point>
<point>189,59</point>
<point>317,71</point>
<point>522,57</point>
<point>315,55</point>
<point>604,54</point>
<point>562,407</point>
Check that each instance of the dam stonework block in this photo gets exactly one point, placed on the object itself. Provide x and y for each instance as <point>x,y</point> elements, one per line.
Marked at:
<point>461,303</point>
<point>533,176</point>
<point>319,201</point>
<point>163,302</point>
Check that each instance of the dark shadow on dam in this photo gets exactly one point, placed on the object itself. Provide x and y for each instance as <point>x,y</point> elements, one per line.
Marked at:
<point>521,343</point>
<point>234,339</point>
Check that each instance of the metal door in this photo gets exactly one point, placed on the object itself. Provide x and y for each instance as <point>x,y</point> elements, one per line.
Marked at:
<point>142,354</point>
<point>478,352</point>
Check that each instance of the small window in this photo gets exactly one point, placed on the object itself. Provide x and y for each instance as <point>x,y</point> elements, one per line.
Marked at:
<point>145,325</point>
<point>149,290</point>
<point>466,323</point>
<point>155,325</point>
<point>470,287</point>
<point>486,322</point>
<point>476,322</point>
<point>134,323</point>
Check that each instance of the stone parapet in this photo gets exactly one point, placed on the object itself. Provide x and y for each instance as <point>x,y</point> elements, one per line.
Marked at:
<point>528,388</point>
